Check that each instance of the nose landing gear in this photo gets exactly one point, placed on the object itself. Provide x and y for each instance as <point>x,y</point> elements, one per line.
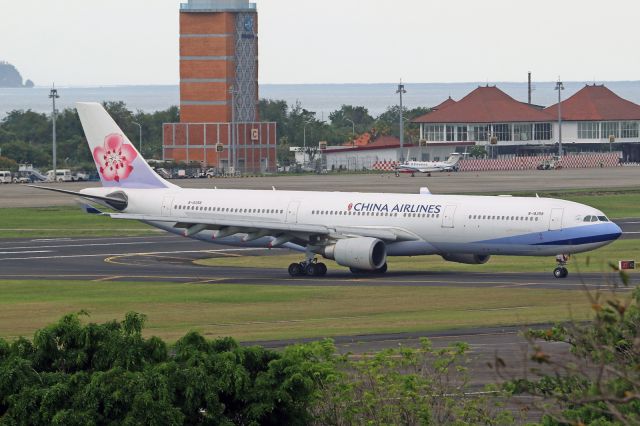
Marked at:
<point>561,271</point>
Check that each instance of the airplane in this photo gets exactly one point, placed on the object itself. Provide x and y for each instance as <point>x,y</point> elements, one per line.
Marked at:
<point>413,167</point>
<point>357,230</point>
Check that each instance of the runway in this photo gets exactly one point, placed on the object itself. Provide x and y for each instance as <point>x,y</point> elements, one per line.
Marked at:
<point>167,258</point>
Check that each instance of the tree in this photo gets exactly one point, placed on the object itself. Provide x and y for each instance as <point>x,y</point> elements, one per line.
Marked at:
<point>76,373</point>
<point>599,383</point>
<point>477,151</point>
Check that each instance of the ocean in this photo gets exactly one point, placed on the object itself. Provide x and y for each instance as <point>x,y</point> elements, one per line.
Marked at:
<point>321,98</point>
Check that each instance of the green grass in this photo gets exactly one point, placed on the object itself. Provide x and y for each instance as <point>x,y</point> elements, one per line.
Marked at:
<point>64,222</point>
<point>595,261</point>
<point>248,312</point>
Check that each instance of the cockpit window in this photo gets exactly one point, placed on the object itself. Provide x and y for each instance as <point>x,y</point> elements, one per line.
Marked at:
<point>603,219</point>
<point>594,218</point>
<point>587,218</point>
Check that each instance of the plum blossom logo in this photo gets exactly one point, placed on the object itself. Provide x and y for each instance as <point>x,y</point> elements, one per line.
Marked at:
<point>350,206</point>
<point>114,158</point>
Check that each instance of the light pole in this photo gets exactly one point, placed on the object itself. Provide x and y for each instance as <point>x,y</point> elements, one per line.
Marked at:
<point>353,130</point>
<point>139,135</point>
<point>233,93</point>
<point>401,91</point>
<point>559,88</point>
<point>53,95</point>
<point>304,142</point>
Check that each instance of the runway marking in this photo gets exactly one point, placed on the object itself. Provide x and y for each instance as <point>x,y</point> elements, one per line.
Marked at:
<point>111,278</point>
<point>50,239</point>
<point>221,251</point>
<point>212,280</point>
<point>25,252</point>
<point>89,245</point>
<point>123,254</point>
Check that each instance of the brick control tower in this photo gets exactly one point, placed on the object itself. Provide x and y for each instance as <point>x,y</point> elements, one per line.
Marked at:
<point>219,90</point>
<point>218,52</point>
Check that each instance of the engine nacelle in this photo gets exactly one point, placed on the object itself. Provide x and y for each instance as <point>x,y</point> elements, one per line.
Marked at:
<point>361,253</point>
<point>470,259</point>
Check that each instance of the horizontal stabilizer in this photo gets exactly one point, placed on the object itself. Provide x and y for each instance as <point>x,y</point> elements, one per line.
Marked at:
<point>116,203</point>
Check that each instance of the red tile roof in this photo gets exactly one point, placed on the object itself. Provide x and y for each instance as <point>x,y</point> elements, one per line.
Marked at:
<point>442,105</point>
<point>383,141</point>
<point>447,102</point>
<point>486,104</point>
<point>593,103</point>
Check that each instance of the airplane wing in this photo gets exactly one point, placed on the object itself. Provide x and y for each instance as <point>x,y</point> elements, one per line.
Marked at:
<point>262,228</point>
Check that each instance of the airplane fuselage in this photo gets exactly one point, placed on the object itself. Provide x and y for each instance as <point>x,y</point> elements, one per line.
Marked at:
<point>427,224</point>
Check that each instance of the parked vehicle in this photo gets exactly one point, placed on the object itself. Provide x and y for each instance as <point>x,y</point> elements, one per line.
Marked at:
<point>80,177</point>
<point>21,178</point>
<point>62,175</point>
<point>5,176</point>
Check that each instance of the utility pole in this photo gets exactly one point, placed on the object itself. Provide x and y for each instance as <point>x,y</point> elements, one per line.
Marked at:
<point>53,94</point>
<point>559,88</point>
<point>353,130</point>
<point>304,143</point>
<point>401,91</point>
<point>233,92</point>
<point>139,136</point>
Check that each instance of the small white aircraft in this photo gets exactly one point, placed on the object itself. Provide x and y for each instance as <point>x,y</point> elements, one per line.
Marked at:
<point>450,165</point>
<point>357,230</point>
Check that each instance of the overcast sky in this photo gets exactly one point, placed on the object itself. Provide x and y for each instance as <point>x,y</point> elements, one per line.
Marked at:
<point>115,42</point>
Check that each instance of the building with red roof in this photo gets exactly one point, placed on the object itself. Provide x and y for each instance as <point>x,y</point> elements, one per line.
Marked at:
<point>488,116</point>
<point>485,113</point>
<point>595,114</point>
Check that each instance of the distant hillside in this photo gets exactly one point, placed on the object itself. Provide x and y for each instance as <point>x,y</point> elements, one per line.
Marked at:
<point>10,77</point>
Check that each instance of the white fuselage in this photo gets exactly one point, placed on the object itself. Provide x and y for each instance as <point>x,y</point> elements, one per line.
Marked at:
<point>440,224</point>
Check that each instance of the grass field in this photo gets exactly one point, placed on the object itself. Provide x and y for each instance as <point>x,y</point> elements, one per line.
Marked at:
<point>65,222</point>
<point>248,312</point>
<point>595,261</point>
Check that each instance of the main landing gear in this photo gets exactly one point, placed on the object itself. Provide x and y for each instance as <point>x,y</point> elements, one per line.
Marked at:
<point>561,271</point>
<point>309,267</point>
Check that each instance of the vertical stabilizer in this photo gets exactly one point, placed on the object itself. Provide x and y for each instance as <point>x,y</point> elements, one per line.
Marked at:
<point>119,164</point>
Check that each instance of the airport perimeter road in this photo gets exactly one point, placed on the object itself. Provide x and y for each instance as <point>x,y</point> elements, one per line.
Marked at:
<point>169,258</point>
<point>438,183</point>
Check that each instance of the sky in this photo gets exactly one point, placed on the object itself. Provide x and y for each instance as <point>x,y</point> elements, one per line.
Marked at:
<point>121,42</point>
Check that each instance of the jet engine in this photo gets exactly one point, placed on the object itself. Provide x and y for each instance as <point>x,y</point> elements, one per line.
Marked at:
<point>471,259</point>
<point>361,253</point>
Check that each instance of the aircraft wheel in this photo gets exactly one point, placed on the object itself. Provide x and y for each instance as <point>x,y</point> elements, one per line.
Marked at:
<point>311,269</point>
<point>295,270</point>
<point>321,269</point>
<point>560,272</point>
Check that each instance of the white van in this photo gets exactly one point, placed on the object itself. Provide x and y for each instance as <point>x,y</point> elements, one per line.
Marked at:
<point>5,176</point>
<point>62,175</point>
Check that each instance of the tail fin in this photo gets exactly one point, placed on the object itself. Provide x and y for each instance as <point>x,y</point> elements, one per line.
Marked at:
<point>118,162</point>
<point>453,159</point>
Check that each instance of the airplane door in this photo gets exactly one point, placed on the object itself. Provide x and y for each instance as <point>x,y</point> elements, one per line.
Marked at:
<point>166,206</point>
<point>292,212</point>
<point>555,223</point>
<point>447,216</point>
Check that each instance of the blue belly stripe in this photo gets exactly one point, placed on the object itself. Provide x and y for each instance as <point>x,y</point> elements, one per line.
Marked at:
<point>577,235</point>
<point>581,240</point>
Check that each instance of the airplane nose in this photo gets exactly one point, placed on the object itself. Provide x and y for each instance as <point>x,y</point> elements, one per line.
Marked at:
<point>617,230</point>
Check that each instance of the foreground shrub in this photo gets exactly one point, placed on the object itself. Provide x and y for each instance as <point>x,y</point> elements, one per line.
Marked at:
<point>598,382</point>
<point>73,373</point>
